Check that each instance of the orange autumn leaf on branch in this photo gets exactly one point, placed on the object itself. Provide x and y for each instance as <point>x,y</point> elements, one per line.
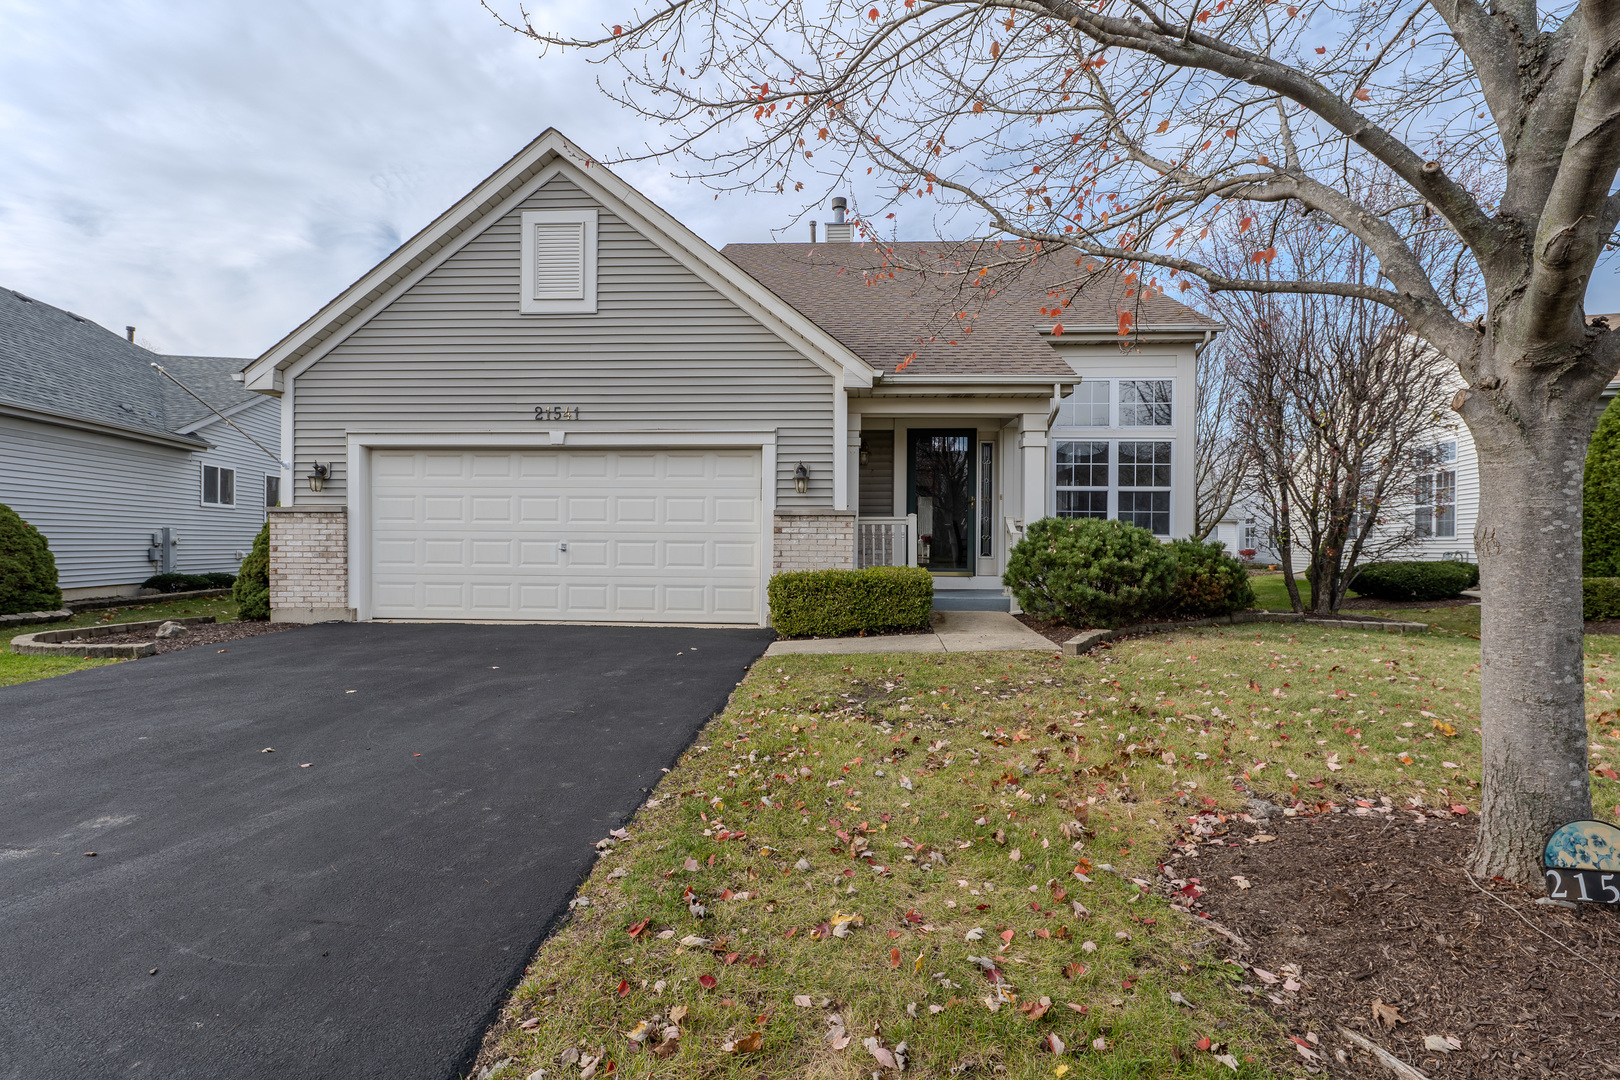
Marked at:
<point>1125,320</point>
<point>995,49</point>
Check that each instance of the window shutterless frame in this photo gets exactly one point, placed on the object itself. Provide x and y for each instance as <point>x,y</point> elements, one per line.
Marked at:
<point>218,486</point>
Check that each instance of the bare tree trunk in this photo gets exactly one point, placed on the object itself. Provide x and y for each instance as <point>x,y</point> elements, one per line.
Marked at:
<point>1285,557</point>
<point>1528,542</point>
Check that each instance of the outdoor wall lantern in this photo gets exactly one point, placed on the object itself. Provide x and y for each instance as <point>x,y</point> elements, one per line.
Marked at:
<point>801,479</point>
<point>865,456</point>
<point>317,476</point>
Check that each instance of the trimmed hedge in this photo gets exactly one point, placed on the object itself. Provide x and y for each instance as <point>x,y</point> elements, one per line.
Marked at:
<point>1208,581</point>
<point>1600,496</point>
<point>27,567</point>
<point>1415,579</point>
<point>1600,598</point>
<point>173,582</point>
<point>832,603</point>
<point>1090,572</point>
<point>252,589</point>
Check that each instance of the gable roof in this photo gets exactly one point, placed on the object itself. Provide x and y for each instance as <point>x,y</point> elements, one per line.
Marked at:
<point>886,318</point>
<point>56,364</point>
<point>497,195</point>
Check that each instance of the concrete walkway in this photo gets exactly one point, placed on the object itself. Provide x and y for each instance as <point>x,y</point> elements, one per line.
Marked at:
<point>953,631</point>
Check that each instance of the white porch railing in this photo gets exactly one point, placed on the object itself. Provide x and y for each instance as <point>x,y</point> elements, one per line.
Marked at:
<point>886,541</point>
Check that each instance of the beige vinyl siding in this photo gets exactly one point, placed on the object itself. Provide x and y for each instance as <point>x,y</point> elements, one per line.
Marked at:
<point>98,498</point>
<point>665,351</point>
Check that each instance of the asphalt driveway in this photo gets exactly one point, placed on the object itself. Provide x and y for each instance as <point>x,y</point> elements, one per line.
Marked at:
<point>358,917</point>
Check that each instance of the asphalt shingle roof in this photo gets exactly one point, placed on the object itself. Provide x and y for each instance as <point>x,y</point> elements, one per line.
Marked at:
<point>53,361</point>
<point>845,290</point>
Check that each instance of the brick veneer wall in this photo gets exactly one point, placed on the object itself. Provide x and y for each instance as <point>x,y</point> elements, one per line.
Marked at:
<point>309,564</point>
<point>813,540</point>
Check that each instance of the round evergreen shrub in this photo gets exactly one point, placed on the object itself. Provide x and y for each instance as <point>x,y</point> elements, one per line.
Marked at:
<point>1600,535</point>
<point>1087,572</point>
<point>27,567</point>
<point>1208,581</point>
<point>1415,580</point>
<point>252,588</point>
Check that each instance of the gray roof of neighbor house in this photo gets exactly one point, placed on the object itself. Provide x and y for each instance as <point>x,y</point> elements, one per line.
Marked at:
<point>883,314</point>
<point>61,364</point>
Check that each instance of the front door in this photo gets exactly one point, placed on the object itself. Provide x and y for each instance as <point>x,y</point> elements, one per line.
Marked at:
<point>939,490</point>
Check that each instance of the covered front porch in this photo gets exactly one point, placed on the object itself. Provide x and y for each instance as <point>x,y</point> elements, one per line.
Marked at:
<point>945,474</point>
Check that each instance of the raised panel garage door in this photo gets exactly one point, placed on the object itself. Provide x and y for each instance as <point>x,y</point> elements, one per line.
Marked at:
<point>597,536</point>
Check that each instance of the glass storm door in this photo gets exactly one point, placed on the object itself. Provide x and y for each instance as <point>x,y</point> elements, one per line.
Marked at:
<point>939,490</point>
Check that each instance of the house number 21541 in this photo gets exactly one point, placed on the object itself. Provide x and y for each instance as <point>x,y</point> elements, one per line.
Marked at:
<point>556,412</point>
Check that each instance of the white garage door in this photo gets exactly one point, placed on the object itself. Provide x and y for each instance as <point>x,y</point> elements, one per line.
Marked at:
<point>598,536</point>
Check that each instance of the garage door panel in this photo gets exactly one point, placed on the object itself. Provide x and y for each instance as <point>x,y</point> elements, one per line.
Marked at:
<point>652,535</point>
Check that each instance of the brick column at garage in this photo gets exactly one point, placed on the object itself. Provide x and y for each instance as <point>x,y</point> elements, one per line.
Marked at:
<point>813,540</point>
<point>309,564</point>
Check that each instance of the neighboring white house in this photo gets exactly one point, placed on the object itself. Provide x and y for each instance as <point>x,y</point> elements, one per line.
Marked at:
<point>558,403</point>
<point>1439,510</point>
<point>102,453</point>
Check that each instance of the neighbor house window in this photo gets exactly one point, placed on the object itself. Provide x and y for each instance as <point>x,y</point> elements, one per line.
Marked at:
<point>1087,406</point>
<point>558,262</point>
<point>272,490</point>
<point>1082,479</point>
<point>1436,509</point>
<point>1144,402</point>
<point>1251,535</point>
<point>1144,485</point>
<point>218,486</point>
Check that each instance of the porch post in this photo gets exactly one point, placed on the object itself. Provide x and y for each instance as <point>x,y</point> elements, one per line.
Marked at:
<point>1032,452</point>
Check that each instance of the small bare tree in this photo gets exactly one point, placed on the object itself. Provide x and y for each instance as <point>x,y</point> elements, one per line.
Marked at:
<point>1120,132</point>
<point>1220,463</point>
<point>1337,401</point>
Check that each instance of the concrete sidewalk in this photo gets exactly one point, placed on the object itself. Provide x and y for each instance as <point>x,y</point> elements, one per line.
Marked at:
<point>953,631</point>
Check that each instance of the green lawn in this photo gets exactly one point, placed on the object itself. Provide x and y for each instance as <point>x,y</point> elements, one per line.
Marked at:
<point>17,669</point>
<point>1271,592</point>
<point>859,828</point>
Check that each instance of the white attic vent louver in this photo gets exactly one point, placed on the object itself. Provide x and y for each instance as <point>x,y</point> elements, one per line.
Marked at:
<point>559,262</point>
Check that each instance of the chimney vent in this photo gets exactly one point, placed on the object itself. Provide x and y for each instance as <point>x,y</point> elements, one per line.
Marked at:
<point>839,231</point>
<point>812,231</point>
<point>130,330</point>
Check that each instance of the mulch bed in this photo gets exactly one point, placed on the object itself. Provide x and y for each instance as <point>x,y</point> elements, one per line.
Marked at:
<point>1061,632</point>
<point>1378,908</point>
<point>1603,626</point>
<point>200,634</point>
<point>1367,603</point>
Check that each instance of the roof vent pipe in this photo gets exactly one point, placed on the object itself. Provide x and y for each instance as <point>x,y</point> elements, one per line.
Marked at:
<point>130,330</point>
<point>812,232</point>
<point>840,231</point>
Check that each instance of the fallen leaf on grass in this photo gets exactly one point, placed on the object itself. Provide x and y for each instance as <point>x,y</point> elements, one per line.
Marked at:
<point>1036,1009</point>
<point>692,941</point>
<point>1074,970</point>
<point>530,1024</point>
<point>894,958</point>
<point>624,987</point>
<point>750,1044</point>
<point>1088,946</point>
<point>1099,1043</point>
<point>1442,1044</point>
<point>802,1000</point>
<point>1228,1060</point>
<point>1175,996</point>
<point>1056,1045</point>
<point>974,934</point>
<point>667,1047</point>
<point>706,981</point>
<point>677,1014</point>
<point>635,929</point>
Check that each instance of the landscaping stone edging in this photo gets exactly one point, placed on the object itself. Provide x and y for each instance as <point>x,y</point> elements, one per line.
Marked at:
<point>53,642</point>
<point>24,618</point>
<point>1083,643</point>
<point>140,600</point>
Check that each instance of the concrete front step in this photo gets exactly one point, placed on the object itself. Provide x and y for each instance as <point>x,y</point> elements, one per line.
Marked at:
<point>971,600</point>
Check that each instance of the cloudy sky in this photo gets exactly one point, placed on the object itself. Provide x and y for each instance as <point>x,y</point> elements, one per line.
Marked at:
<point>214,171</point>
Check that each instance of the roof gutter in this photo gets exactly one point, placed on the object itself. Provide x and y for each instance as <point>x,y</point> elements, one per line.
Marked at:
<point>24,412</point>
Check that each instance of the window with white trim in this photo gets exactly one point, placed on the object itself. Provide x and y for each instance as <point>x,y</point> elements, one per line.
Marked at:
<point>1145,402</point>
<point>1082,479</point>
<point>1087,406</point>
<point>218,486</point>
<point>1435,515</point>
<point>1144,485</point>
<point>558,262</point>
